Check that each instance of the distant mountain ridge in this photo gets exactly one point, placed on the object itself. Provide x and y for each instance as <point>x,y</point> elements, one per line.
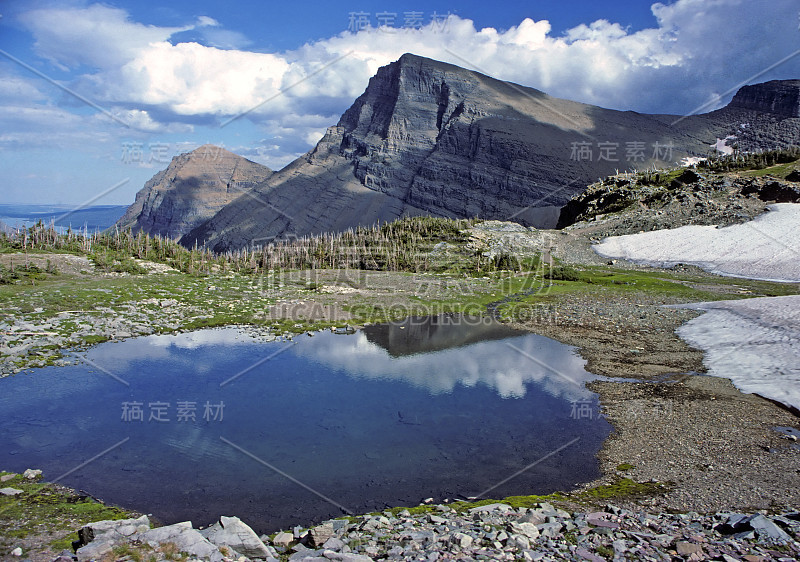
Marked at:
<point>191,190</point>
<point>430,138</point>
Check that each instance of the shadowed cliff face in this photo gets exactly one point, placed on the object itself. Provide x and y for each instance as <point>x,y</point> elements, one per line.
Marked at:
<point>778,97</point>
<point>193,188</point>
<point>432,138</point>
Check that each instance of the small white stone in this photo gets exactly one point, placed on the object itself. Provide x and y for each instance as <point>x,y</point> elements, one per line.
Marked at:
<point>30,473</point>
<point>16,552</point>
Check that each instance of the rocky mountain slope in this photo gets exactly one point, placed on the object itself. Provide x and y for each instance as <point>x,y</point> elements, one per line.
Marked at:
<point>193,188</point>
<point>630,203</point>
<point>432,138</point>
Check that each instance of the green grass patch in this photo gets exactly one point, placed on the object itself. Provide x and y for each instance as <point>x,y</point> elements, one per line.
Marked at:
<point>47,510</point>
<point>778,171</point>
<point>622,488</point>
<point>92,340</point>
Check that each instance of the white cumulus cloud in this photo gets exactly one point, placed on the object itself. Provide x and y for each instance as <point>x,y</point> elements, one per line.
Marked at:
<point>697,50</point>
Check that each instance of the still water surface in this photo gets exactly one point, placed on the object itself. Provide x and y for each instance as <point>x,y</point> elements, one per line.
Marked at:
<point>219,422</point>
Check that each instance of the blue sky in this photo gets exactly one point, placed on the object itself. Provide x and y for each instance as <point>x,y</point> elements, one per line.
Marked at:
<point>97,95</point>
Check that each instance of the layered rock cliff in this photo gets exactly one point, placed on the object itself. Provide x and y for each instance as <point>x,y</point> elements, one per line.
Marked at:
<point>193,188</point>
<point>778,97</point>
<point>431,138</point>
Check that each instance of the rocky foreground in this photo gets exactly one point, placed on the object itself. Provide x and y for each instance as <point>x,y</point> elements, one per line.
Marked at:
<point>496,531</point>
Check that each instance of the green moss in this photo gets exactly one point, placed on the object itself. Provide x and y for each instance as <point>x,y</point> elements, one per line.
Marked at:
<point>49,510</point>
<point>460,506</point>
<point>621,488</point>
<point>604,551</point>
<point>93,339</point>
<point>625,466</point>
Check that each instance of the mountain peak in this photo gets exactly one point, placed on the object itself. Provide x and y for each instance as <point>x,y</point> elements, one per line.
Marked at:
<point>779,97</point>
<point>431,138</point>
<point>212,149</point>
<point>193,188</point>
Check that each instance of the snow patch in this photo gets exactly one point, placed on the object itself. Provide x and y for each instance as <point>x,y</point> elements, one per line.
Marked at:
<point>755,343</point>
<point>765,248</point>
<point>721,145</point>
<point>692,160</point>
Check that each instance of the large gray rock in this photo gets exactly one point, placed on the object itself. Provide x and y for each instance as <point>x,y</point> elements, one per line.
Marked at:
<point>99,538</point>
<point>283,539</point>
<point>528,529</point>
<point>320,534</point>
<point>184,537</point>
<point>232,532</point>
<point>32,473</point>
<point>767,530</point>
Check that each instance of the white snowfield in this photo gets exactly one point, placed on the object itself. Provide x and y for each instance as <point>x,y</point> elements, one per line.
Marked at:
<point>765,248</point>
<point>754,342</point>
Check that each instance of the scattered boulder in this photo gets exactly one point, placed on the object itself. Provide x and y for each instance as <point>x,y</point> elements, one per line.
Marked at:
<point>283,539</point>
<point>766,530</point>
<point>688,549</point>
<point>32,474</point>
<point>98,539</point>
<point>333,543</point>
<point>462,540</point>
<point>688,176</point>
<point>11,491</point>
<point>233,533</point>
<point>528,529</point>
<point>780,192</point>
<point>184,537</point>
<point>320,534</point>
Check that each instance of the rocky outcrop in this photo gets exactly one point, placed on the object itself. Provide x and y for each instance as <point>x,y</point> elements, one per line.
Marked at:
<point>432,138</point>
<point>778,97</point>
<point>233,533</point>
<point>630,203</point>
<point>193,188</point>
<point>225,540</point>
